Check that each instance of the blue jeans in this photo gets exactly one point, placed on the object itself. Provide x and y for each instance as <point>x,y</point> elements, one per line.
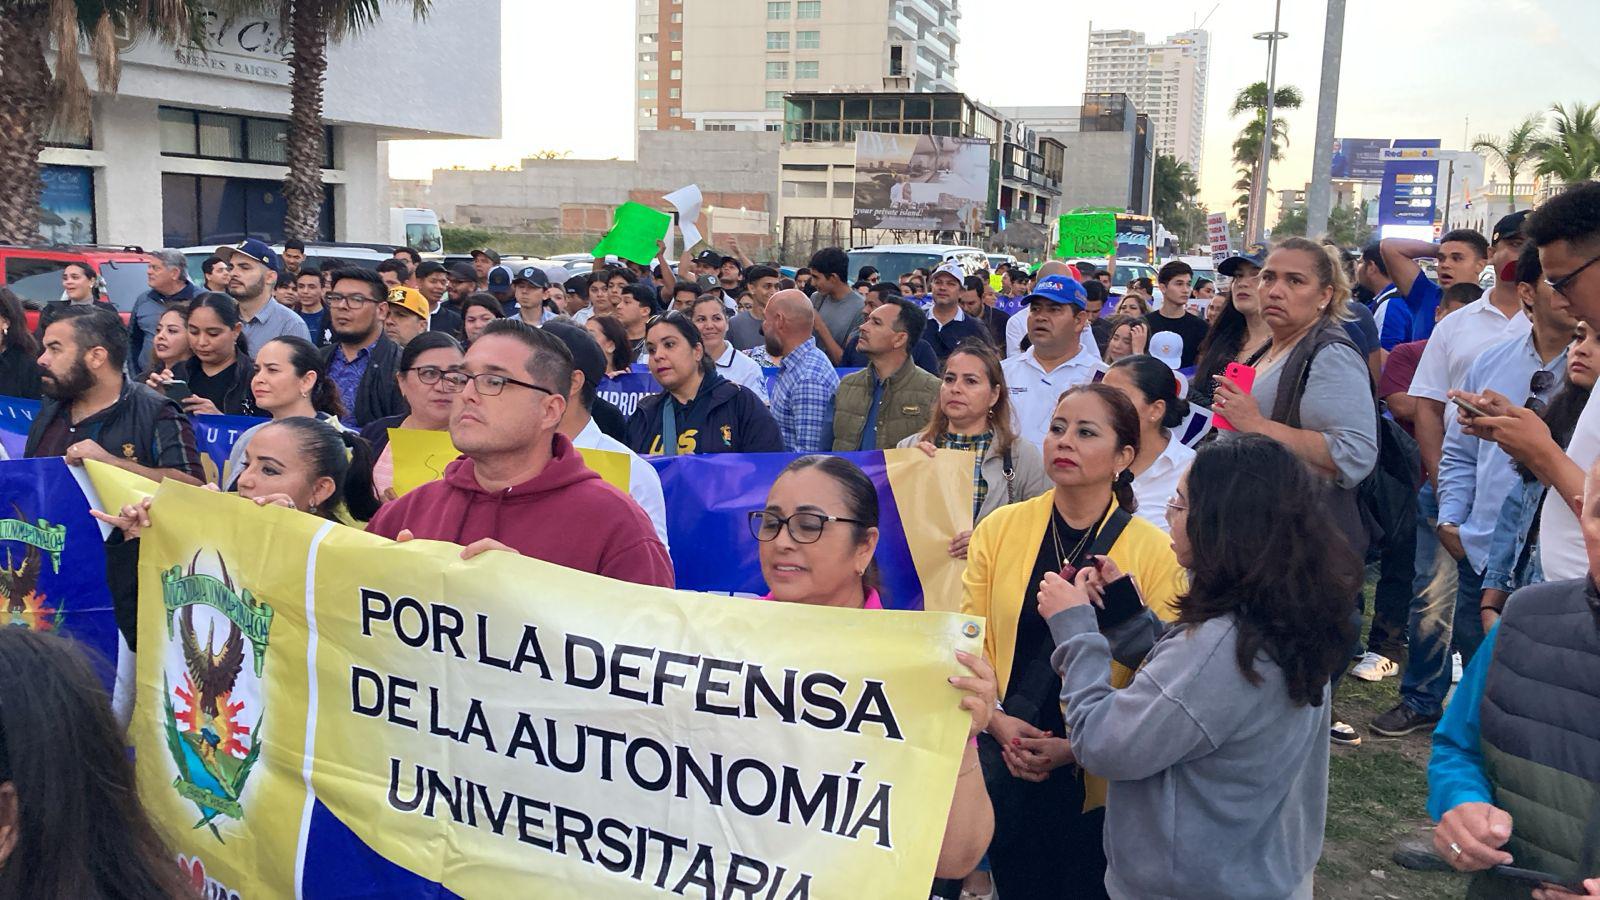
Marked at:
<point>1468,632</point>
<point>1433,611</point>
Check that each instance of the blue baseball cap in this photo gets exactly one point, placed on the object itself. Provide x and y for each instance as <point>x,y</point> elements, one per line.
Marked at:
<point>1063,289</point>
<point>1255,255</point>
<point>256,250</point>
<point>499,280</point>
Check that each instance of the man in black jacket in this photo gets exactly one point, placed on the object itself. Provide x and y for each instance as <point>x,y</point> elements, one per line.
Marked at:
<point>362,361</point>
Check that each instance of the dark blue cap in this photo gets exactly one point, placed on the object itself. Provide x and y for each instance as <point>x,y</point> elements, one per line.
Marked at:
<point>256,250</point>
<point>499,280</point>
<point>1255,255</point>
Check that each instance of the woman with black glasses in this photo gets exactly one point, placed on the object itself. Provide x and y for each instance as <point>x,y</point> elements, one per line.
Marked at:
<point>817,535</point>
<point>425,359</point>
<point>698,410</point>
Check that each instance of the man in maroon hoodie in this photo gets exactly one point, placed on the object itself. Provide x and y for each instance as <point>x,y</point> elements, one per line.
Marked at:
<point>522,487</point>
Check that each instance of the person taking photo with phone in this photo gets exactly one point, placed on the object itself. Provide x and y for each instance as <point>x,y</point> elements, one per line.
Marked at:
<point>1511,782</point>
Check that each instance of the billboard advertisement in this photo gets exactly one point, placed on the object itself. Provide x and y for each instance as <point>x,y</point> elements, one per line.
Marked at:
<point>1410,191</point>
<point>1359,159</point>
<point>921,181</point>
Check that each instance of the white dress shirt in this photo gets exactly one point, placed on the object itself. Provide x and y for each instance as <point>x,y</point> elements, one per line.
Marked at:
<point>644,485</point>
<point>1034,391</point>
<point>1156,485</point>
<point>1457,342</point>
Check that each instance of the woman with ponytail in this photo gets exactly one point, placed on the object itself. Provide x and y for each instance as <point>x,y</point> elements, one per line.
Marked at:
<point>1048,815</point>
<point>296,462</point>
<point>1153,389</point>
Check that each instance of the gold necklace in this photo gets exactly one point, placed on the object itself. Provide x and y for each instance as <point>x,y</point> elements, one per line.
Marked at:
<point>1055,536</point>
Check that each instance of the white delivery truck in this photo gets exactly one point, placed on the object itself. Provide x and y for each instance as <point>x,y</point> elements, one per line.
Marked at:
<point>415,228</point>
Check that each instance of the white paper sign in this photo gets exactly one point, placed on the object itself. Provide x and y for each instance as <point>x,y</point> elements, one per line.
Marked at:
<point>687,200</point>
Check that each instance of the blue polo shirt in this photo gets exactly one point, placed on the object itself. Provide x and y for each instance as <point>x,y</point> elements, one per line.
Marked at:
<point>1409,317</point>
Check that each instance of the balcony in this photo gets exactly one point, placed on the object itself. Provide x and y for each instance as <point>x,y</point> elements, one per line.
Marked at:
<point>924,9</point>
<point>926,67</point>
<point>901,20</point>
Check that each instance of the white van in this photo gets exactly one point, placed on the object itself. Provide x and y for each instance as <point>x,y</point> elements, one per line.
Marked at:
<point>415,228</point>
<point>894,260</point>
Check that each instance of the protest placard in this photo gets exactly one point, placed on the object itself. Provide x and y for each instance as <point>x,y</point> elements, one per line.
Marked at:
<point>635,229</point>
<point>348,715</point>
<point>1087,234</point>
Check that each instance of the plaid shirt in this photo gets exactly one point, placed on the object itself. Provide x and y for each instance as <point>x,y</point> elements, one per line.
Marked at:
<point>802,399</point>
<point>979,444</point>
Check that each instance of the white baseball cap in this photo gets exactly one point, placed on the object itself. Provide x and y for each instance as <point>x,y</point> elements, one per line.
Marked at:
<point>951,268</point>
<point>1167,346</point>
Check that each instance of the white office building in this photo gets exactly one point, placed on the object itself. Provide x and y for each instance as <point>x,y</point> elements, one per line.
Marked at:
<point>1166,81</point>
<point>192,147</point>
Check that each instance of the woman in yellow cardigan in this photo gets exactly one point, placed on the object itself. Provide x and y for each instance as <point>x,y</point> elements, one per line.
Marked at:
<point>1048,816</point>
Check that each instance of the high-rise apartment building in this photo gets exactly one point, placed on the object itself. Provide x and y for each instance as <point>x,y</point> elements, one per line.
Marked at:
<point>725,65</point>
<point>1166,81</point>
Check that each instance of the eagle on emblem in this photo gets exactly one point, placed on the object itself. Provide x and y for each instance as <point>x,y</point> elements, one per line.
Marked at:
<point>213,675</point>
<point>17,584</point>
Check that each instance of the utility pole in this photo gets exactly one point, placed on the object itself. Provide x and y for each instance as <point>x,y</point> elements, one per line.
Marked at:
<point>1258,212</point>
<point>1319,200</point>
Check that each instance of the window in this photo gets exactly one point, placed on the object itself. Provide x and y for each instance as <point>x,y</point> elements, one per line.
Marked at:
<point>648,57</point>
<point>677,18</point>
<point>187,132</point>
<point>647,75</point>
<point>677,56</point>
<point>807,40</point>
<point>647,93</point>
<point>674,93</point>
<point>675,75</point>
<point>777,40</point>
<point>806,69</point>
<point>675,37</point>
<point>808,9</point>
<point>778,10</point>
<point>648,38</point>
<point>777,70</point>
<point>809,190</point>
<point>774,99</point>
<point>35,281</point>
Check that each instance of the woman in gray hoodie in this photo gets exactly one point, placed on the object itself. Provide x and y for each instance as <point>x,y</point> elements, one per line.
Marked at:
<point>1217,752</point>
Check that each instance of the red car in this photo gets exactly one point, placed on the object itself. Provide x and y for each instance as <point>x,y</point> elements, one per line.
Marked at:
<point>34,274</point>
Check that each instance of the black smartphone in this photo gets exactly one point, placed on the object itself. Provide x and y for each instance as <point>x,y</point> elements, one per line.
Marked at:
<point>177,390</point>
<point>1534,878</point>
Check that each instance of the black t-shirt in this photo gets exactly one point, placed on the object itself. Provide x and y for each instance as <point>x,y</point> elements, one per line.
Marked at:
<point>212,387</point>
<point>1190,327</point>
<point>1034,686</point>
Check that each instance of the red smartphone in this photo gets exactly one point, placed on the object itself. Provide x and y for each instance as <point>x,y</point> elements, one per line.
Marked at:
<point>1245,377</point>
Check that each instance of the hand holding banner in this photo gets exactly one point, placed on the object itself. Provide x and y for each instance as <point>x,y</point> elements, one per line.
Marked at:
<point>634,232</point>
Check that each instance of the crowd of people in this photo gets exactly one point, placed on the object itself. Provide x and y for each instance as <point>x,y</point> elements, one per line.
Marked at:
<point>1171,511</point>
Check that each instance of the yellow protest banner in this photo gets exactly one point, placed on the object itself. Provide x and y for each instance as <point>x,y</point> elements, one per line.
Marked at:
<point>348,714</point>
<point>420,457</point>
<point>117,487</point>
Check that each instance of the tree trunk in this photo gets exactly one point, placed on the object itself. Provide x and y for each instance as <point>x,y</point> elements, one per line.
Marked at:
<point>24,93</point>
<point>308,64</point>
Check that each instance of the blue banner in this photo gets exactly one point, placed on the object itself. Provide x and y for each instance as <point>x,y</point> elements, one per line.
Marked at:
<point>1410,187</point>
<point>626,390</point>
<point>709,500</point>
<point>53,559</point>
<point>215,437</point>
<point>16,417</point>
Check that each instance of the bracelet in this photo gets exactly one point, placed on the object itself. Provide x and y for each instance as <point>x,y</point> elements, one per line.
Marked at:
<point>1490,606</point>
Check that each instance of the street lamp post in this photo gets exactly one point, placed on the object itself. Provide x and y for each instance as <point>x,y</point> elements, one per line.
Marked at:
<point>1258,212</point>
<point>1318,201</point>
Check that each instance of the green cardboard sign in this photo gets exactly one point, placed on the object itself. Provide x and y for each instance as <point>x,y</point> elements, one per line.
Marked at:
<point>635,229</point>
<point>1087,234</point>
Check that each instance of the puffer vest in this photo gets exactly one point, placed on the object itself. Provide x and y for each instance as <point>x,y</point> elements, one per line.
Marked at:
<point>1540,732</point>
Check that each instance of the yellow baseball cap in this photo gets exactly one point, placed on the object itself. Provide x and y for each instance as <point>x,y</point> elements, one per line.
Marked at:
<point>410,300</point>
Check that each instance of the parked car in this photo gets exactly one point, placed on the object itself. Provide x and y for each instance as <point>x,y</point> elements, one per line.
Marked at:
<point>318,254</point>
<point>894,260</point>
<point>34,274</point>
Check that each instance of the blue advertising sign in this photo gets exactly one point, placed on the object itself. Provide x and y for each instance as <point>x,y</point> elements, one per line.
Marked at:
<point>1410,187</point>
<point>66,204</point>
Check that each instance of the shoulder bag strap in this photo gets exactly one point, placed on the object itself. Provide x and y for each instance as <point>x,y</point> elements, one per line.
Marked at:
<point>1010,476</point>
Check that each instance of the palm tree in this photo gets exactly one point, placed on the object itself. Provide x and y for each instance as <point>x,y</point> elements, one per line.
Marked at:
<point>31,97</point>
<point>1515,150</point>
<point>1174,185</point>
<point>1572,152</point>
<point>312,25</point>
<point>1247,147</point>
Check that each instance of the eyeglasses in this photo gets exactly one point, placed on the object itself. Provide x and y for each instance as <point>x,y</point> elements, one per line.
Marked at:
<point>427,374</point>
<point>1560,285</point>
<point>488,383</point>
<point>347,301</point>
<point>804,527</point>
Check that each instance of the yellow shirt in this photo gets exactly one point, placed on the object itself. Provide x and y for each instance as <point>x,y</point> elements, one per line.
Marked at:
<point>1000,560</point>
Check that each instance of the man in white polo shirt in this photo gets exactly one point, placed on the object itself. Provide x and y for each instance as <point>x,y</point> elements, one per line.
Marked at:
<point>1056,360</point>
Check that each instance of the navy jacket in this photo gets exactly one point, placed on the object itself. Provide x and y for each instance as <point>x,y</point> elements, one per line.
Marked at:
<point>723,418</point>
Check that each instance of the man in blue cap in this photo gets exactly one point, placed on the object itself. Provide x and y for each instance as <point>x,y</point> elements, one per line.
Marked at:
<point>253,272</point>
<point>1057,314</point>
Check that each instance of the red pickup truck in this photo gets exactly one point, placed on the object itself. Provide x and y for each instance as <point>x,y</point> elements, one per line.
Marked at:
<point>34,274</point>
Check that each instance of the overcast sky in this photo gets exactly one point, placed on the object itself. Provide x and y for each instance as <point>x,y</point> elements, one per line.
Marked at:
<point>1423,70</point>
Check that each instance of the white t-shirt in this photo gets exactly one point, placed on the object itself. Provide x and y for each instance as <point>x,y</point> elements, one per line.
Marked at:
<point>1156,485</point>
<point>1561,550</point>
<point>741,369</point>
<point>644,485</point>
<point>1034,391</point>
<point>1457,342</point>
